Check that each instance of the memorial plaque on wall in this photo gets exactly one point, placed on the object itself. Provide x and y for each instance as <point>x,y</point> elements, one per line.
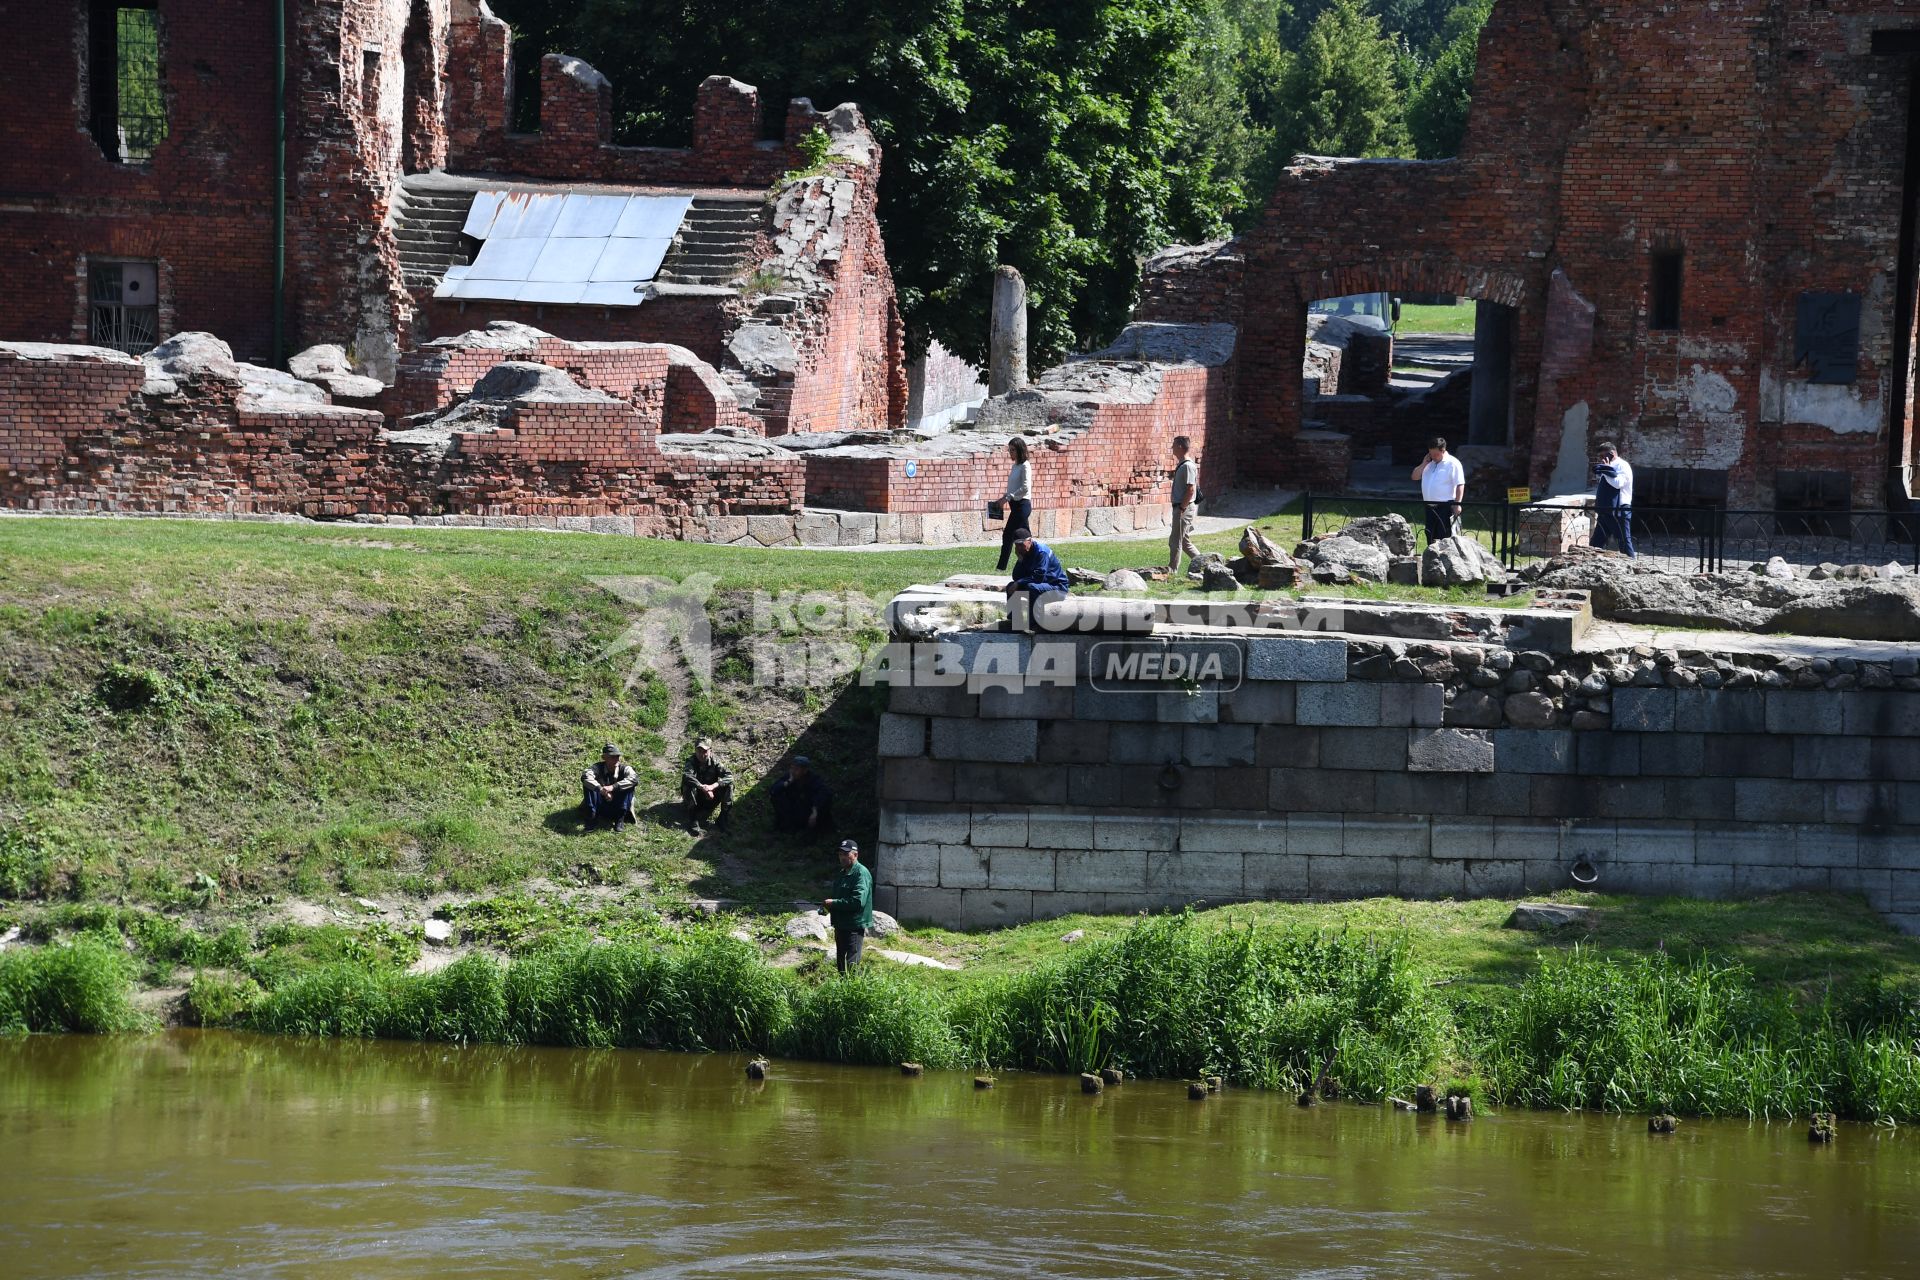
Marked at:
<point>1827,336</point>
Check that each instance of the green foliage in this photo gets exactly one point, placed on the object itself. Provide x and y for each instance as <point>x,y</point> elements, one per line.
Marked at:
<point>1260,1006</point>
<point>1695,1038</point>
<point>1340,90</point>
<point>876,1016</point>
<point>1437,109</point>
<point>220,999</point>
<point>84,985</point>
<point>1035,135</point>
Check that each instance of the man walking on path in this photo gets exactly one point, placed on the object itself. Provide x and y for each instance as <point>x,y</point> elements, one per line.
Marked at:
<point>1613,499</point>
<point>1443,487</point>
<point>1186,493</point>
<point>850,907</point>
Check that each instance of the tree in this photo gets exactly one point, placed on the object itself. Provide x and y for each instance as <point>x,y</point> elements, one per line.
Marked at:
<point>1340,95</point>
<point>1437,111</point>
<point>1036,133</point>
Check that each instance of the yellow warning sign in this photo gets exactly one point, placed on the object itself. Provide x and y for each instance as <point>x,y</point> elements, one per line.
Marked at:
<point>1519,497</point>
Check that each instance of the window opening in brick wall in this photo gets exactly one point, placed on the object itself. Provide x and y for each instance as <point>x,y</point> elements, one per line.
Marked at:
<point>126,103</point>
<point>1826,337</point>
<point>370,82</point>
<point>123,310</point>
<point>1813,503</point>
<point>1664,285</point>
<point>523,108</point>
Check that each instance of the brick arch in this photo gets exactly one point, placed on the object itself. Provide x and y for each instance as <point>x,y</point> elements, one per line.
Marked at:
<point>1411,275</point>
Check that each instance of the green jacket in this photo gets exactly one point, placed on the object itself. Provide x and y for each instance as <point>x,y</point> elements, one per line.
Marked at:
<point>852,894</point>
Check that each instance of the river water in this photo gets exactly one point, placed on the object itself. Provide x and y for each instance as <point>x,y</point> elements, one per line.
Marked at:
<point>214,1154</point>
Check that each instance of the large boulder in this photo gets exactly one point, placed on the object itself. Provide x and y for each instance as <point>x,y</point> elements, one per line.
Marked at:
<point>1259,548</point>
<point>1352,557</point>
<point>1390,533</point>
<point>1459,562</point>
<point>1627,591</point>
<point>1124,580</point>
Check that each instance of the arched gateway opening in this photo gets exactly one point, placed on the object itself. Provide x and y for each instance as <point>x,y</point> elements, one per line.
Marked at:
<point>1394,355</point>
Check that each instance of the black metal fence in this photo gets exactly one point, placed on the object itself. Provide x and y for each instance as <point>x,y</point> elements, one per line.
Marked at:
<point>1684,539</point>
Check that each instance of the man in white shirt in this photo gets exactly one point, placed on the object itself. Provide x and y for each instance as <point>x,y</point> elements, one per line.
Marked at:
<point>1443,487</point>
<point>1612,499</point>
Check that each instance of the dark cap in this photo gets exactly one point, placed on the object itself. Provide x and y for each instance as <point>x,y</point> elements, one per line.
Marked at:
<point>1021,535</point>
<point>703,744</point>
<point>803,762</point>
<point>609,750</point>
<point>849,846</point>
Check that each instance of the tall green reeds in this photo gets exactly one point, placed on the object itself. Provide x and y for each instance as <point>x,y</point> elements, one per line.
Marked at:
<point>1170,997</point>
<point>83,985</point>
<point>1693,1037</point>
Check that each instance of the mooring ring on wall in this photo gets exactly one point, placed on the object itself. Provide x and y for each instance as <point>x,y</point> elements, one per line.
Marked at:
<point>1171,778</point>
<point>1584,873</point>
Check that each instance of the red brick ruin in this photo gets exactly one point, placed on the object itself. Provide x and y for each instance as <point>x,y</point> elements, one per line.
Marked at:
<point>1692,227</point>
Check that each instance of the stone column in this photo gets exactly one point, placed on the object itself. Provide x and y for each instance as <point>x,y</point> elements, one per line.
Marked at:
<point>1007,342</point>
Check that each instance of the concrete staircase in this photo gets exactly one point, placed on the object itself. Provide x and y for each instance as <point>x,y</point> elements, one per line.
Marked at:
<point>427,221</point>
<point>713,240</point>
<point>430,208</point>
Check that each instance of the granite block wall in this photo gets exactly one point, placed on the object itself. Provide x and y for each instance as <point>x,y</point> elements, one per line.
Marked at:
<point>1321,775</point>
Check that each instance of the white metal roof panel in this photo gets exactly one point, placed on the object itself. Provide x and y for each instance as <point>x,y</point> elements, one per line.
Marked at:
<point>505,258</point>
<point>566,248</point>
<point>652,217</point>
<point>584,215</point>
<point>626,259</point>
<point>567,258</point>
<point>481,213</point>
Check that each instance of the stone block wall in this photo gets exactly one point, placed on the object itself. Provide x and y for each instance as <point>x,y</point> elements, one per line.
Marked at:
<point>1343,768</point>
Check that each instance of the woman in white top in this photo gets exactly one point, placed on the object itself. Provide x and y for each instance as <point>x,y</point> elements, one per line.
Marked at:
<point>1018,497</point>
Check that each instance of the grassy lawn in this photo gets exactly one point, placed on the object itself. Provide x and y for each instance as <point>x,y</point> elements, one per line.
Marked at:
<point>216,739</point>
<point>1457,318</point>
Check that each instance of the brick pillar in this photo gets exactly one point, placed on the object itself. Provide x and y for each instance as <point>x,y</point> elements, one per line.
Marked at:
<point>726,115</point>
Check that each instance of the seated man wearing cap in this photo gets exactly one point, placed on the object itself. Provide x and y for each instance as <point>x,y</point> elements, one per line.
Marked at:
<point>1037,570</point>
<point>705,785</point>
<point>849,905</point>
<point>801,800</point>
<point>608,788</point>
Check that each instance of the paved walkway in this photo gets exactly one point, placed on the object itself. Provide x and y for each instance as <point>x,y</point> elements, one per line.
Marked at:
<point>1622,635</point>
<point>1233,510</point>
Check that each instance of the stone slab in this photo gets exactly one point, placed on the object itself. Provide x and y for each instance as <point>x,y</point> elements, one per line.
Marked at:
<point>1450,751</point>
<point>1643,710</point>
<point>1354,704</point>
<point>1101,870</point>
<point>1296,658</point>
<point>1020,869</point>
<point>1194,876</point>
<point>999,741</point>
<point>902,735</point>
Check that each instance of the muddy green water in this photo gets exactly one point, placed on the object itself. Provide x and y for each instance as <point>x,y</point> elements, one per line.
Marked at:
<point>208,1154</point>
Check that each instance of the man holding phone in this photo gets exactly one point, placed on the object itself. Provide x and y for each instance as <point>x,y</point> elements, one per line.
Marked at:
<point>1612,499</point>
<point>1443,487</point>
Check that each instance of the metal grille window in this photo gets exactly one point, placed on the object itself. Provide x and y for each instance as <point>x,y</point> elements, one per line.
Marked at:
<point>123,309</point>
<point>129,110</point>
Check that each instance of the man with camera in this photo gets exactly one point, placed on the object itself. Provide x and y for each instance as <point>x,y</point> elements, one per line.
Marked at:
<point>1443,486</point>
<point>1612,499</point>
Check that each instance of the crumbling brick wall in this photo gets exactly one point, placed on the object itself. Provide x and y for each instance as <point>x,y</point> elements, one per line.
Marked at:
<point>1761,141</point>
<point>86,429</point>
